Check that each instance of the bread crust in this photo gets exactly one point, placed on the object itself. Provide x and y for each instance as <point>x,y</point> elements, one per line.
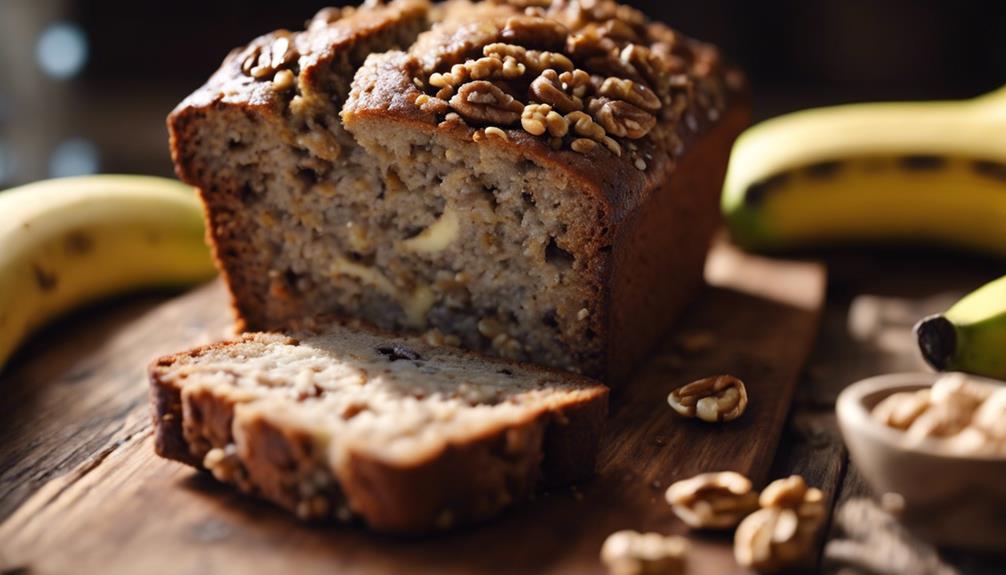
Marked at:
<point>462,483</point>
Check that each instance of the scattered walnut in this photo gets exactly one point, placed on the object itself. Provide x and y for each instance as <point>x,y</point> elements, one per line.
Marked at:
<point>782,532</point>
<point>634,93</point>
<point>793,493</point>
<point>548,89</point>
<point>631,553</point>
<point>482,101</point>
<point>621,118</point>
<point>713,399</point>
<point>713,500</point>
<point>536,119</point>
<point>772,539</point>
<point>535,32</point>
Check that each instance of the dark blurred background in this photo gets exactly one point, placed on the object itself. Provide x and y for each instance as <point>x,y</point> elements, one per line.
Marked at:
<point>85,84</point>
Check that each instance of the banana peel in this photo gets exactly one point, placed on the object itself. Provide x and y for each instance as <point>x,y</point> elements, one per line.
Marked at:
<point>910,173</point>
<point>970,336</point>
<point>68,242</point>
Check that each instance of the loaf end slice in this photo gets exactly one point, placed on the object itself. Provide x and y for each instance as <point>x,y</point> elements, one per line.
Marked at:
<point>344,425</point>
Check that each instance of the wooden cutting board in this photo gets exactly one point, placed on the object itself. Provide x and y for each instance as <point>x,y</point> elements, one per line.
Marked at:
<point>83,491</point>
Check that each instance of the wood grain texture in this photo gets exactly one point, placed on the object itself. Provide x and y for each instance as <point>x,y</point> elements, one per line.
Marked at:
<point>123,510</point>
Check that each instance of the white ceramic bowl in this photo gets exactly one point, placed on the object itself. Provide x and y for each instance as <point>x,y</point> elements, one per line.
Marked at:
<point>949,499</point>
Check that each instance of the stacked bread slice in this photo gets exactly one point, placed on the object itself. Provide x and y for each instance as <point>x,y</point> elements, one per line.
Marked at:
<point>347,423</point>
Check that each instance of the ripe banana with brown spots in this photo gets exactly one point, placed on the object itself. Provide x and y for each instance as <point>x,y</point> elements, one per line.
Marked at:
<point>67,242</point>
<point>912,173</point>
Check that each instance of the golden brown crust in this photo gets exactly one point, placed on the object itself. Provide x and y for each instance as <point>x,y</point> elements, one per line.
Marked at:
<point>314,48</point>
<point>463,483</point>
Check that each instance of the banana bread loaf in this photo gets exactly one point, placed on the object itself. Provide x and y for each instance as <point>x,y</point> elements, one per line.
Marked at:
<point>536,180</point>
<point>348,424</point>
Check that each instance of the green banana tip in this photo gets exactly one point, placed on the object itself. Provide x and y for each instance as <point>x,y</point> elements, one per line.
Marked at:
<point>937,339</point>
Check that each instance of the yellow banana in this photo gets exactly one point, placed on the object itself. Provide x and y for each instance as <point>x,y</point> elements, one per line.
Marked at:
<point>930,173</point>
<point>70,241</point>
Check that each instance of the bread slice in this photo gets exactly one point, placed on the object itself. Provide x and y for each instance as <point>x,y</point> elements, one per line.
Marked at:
<point>362,173</point>
<point>346,423</point>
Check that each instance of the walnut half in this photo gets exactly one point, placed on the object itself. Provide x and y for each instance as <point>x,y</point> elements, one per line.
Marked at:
<point>628,552</point>
<point>483,101</point>
<point>622,119</point>
<point>770,540</point>
<point>713,500</point>
<point>781,533</point>
<point>713,399</point>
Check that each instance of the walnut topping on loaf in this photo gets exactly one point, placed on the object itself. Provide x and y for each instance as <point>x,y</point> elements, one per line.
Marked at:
<point>586,72</point>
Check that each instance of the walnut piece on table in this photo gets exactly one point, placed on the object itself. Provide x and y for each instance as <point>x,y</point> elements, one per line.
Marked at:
<point>713,500</point>
<point>713,399</point>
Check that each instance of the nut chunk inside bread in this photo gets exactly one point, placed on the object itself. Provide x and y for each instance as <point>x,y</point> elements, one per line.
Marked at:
<point>534,180</point>
<point>347,423</point>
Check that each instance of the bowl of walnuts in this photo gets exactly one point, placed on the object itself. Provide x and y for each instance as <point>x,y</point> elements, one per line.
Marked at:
<point>934,445</point>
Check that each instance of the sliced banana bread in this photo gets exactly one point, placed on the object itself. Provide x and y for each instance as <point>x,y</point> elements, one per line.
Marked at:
<point>348,424</point>
<point>536,180</point>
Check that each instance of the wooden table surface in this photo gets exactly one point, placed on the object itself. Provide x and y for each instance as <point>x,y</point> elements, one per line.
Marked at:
<point>872,302</point>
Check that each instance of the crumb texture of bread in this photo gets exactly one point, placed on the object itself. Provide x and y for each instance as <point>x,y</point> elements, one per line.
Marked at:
<point>347,424</point>
<point>498,176</point>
